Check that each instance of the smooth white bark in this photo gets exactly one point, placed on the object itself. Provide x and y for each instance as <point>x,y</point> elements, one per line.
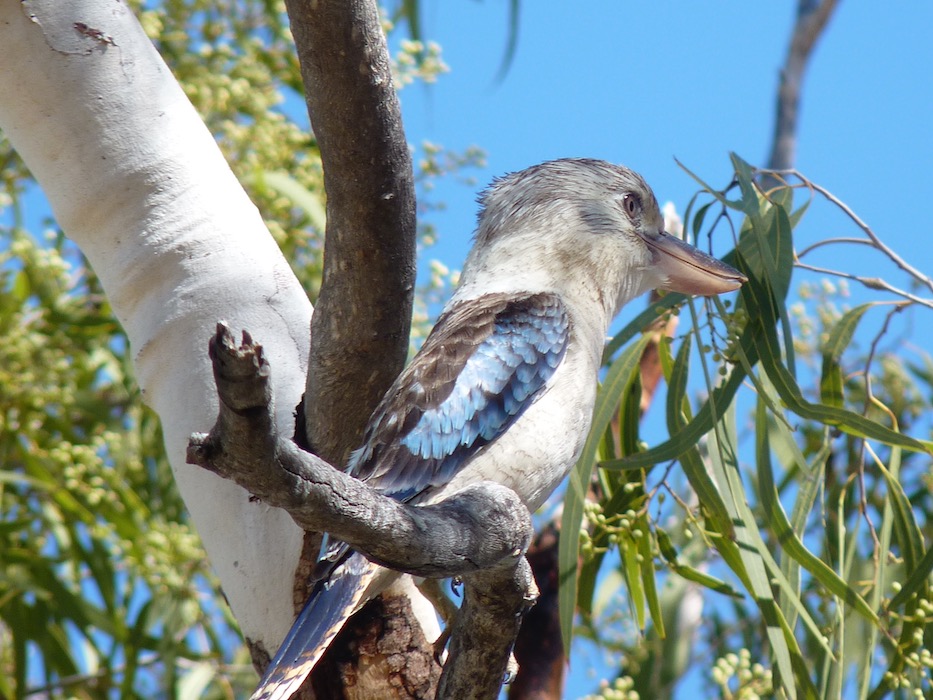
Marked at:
<point>135,178</point>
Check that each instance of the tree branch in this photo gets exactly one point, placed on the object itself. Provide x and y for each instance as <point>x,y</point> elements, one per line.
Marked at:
<point>494,602</point>
<point>812,18</point>
<point>362,319</point>
<point>482,526</point>
<point>480,533</point>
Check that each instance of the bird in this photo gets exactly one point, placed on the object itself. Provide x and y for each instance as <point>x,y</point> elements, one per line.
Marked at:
<point>503,387</point>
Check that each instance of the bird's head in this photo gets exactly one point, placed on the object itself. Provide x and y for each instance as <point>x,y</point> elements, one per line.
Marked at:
<point>580,226</point>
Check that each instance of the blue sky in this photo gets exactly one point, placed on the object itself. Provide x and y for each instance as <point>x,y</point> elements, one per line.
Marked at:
<point>645,83</point>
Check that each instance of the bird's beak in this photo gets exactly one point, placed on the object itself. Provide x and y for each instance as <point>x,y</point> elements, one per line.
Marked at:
<point>683,268</point>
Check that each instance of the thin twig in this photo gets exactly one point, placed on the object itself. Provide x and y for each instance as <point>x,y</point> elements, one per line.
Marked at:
<point>829,241</point>
<point>870,282</point>
<point>876,241</point>
<point>866,229</point>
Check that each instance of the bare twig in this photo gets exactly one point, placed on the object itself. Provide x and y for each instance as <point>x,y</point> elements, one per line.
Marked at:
<point>873,240</point>
<point>870,282</point>
<point>878,243</point>
<point>779,177</point>
<point>871,400</point>
<point>832,241</point>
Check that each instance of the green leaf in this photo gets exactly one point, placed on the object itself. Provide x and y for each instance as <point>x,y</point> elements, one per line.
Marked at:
<point>831,382</point>
<point>809,485</point>
<point>194,682</point>
<point>631,570</point>
<point>641,322</point>
<point>762,315</point>
<point>666,547</point>
<point>677,410</point>
<point>780,525</point>
<point>918,579</point>
<point>617,498</point>
<point>608,591</point>
<point>698,220</point>
<point>910,539</point>
<point>511,40</point>
<point>301,197</point>
<point>791,668</point>
<point>645,551</point>
<point>678,443</point>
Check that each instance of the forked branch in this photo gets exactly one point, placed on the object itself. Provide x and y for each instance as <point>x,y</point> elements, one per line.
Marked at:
<point>480,534</point>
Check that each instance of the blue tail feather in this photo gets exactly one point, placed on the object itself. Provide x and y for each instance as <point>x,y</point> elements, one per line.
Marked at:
<point>331,603</point>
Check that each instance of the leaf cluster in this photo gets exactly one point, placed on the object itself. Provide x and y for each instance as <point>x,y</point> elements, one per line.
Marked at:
<point>797,533</point>
<point>101,577</point>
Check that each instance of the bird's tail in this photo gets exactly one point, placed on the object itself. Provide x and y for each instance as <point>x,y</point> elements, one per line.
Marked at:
<point>331,603</point>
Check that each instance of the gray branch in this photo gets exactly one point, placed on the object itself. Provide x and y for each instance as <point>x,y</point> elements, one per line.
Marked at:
<point>362,318</point>
<point>480,534</point>
<point>494,602</point>
<point>812,18</point>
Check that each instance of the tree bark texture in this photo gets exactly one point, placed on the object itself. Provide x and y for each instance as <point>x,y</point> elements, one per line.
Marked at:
<point>362,322</point>
<point>382,655</point>
<point>363,317</point>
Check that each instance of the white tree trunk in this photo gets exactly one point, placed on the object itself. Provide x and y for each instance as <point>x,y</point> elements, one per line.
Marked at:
<point>136,180</point>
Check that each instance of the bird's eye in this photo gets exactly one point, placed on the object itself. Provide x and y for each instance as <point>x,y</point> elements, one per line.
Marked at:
<point>631,204</point>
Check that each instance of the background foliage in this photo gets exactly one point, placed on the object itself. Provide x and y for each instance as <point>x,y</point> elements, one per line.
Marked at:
<point>826,600</point>
<point>788,540</point>
<point>104,586</point>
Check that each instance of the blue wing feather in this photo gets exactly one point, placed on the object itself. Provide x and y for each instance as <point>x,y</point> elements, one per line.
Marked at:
<point>486,361</point>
